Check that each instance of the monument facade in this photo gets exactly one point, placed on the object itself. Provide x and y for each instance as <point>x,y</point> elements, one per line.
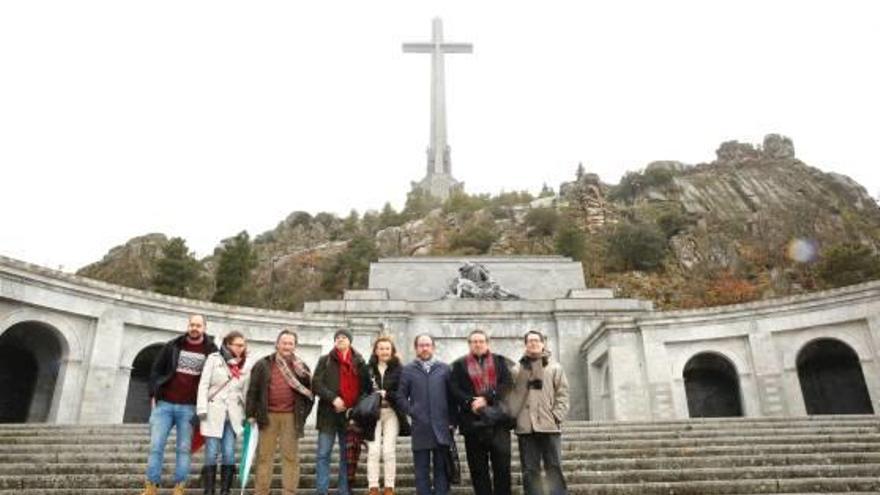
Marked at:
<point>75,350</point>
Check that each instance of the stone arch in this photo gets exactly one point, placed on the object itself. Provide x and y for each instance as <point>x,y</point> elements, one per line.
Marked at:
<point>831,378</point>
<point>33,355</point>
<point>712,387</point>
<point>137,402</point>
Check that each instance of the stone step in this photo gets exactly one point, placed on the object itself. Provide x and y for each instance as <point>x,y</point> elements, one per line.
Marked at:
<point>707,457</point>
<point>805,486</point>
<point>695,423</point>
<point>456,490</point>
<point>136,466</point>
<point>405,455</point>
<point>405,479</point>
<point>570,444</point>
<point>104,437</point>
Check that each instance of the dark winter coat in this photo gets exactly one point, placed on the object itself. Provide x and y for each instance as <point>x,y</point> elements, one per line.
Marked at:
<point>463,394</point>
<point>165,364</point>
<point>390,384</point>
<point>257,403</point>
<point>325,385</point>
<point>425,398</point>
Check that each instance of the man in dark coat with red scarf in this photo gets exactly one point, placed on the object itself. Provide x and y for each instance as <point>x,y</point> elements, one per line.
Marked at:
<point>341,378</point>
<point>479,383</point>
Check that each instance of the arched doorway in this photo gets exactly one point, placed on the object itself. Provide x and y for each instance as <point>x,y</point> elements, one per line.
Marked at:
<point>711,384</point>
<point>31,354</point>
<point>831,379</point>
<point>137,404</point>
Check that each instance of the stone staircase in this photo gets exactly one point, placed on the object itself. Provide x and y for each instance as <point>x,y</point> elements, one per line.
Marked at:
<point>819,454</point>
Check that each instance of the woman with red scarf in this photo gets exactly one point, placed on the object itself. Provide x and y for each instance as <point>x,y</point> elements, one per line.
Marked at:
<point>220,407</point>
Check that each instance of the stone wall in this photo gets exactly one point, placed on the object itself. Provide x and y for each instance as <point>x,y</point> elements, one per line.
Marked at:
<point>102,327</point>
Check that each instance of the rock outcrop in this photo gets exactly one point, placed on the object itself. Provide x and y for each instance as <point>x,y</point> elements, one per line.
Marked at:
<point>733,218</point>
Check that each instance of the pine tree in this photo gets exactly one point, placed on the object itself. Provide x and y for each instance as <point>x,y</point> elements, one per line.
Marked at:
<point>236,261</point>
<point>388,217</point>
<point>351,224</point>
<point>177,270</point>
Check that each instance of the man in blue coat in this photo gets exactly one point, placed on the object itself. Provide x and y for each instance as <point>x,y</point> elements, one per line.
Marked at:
<point>423,395</point>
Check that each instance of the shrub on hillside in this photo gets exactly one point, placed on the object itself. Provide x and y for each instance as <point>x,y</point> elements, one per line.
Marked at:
<point>636,246</point>
<point>571,241</point>
<point>542,222</point>
<point>474,238</point>
<point>848,264</point>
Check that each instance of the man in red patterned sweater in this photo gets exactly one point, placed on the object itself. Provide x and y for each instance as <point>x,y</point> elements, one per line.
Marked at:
<point>174,383</point>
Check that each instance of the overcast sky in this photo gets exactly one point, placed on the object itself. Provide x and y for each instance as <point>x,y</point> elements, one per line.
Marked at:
<point>201,119</point>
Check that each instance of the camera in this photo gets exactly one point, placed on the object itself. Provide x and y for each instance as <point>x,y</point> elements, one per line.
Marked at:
<point>536,384</point>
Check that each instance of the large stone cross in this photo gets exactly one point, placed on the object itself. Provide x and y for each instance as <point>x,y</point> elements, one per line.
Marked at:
<point>438,153</point>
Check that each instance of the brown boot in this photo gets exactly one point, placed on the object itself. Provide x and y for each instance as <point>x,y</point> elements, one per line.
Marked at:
<point>388,491</point>
<point>374,491</point>
<point>150,489</point>
<point>179,489</point>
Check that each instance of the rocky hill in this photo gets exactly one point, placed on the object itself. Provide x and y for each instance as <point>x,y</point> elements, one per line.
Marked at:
<point>756,222</point>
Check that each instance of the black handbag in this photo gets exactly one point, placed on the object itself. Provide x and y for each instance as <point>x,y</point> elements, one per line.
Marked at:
<point>366,412</point>
<point>453,464</point>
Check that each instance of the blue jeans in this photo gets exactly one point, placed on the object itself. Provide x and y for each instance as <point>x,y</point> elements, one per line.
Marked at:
<point>322,469</point>
<point>422,461</point>
<point>225,445</point>
<point>167,415</point>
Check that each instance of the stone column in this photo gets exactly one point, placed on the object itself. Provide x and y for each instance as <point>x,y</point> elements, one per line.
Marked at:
<point>68,395</point>
<point>627,373</point>
<point>103,398</point>
<point>571,330</point>
<point>665,392</point>
<point>870,364</point>
<point>772,392</point>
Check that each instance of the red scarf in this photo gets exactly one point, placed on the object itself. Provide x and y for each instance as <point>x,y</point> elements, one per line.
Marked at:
<point>482,378</point>
<point>349,385</point>
<point>235,369</point>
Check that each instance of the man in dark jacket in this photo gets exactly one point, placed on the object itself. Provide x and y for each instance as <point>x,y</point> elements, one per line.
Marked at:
<point>480,383</point>
<point>174,384</point>
<point>279,400</point>
<point>423,394</point>
<point>341,379</point>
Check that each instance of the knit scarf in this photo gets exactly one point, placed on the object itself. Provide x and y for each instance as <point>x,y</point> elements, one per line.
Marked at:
<point>234,364</point>
<point>482,378</point>
<point>349,385</point>
<point>290,375</point>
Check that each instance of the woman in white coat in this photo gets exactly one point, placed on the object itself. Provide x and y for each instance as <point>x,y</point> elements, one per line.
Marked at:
<point>220,407</point>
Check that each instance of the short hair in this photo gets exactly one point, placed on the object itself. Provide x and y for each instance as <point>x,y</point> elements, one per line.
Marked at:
<point>531,332</point>
<point>200,315</point>
<point>416,340</point>
<point>287,331</point>
<point>478,332</point>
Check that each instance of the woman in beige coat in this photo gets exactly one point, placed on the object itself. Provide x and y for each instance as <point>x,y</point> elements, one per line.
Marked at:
<point>220,407</point>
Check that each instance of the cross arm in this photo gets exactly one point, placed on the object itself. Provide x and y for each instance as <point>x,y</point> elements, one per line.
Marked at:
<point>444,47</point>
<point>418,47</point>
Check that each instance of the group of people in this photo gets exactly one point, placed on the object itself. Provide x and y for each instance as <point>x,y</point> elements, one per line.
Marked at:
<point>195,385</point>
